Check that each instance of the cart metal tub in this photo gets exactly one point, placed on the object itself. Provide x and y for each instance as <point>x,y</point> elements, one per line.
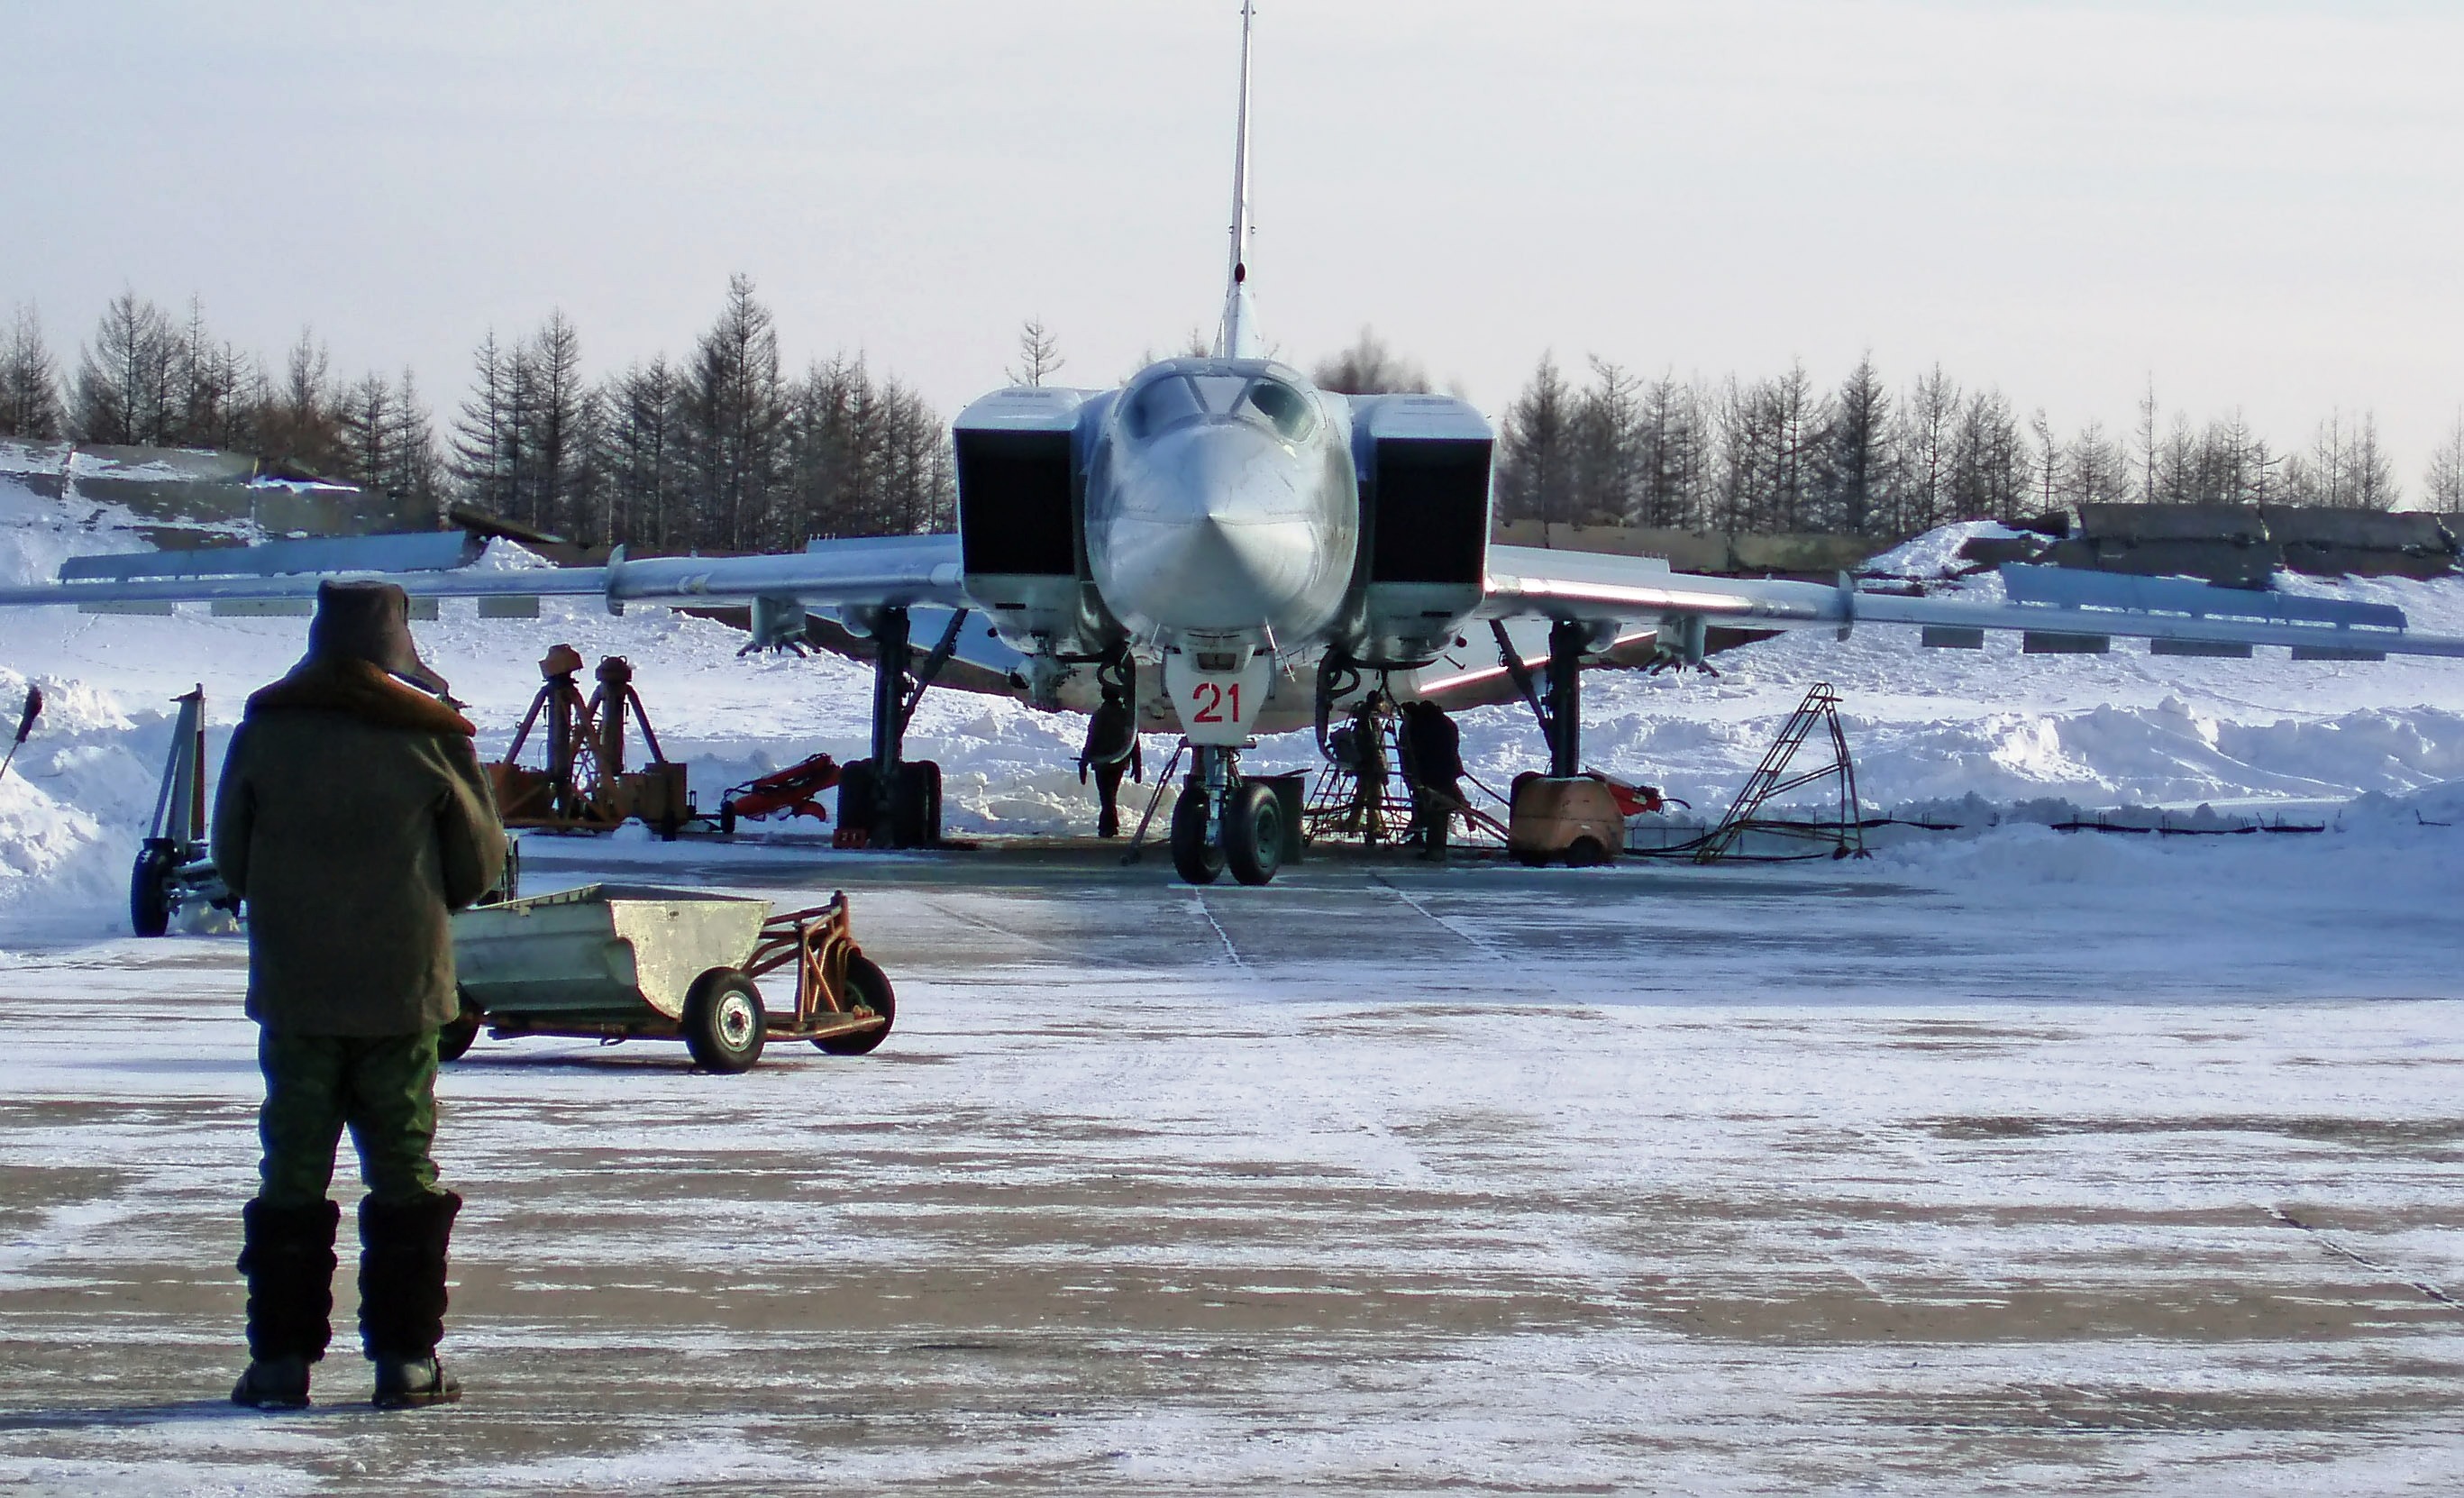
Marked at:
<point>620,961</point>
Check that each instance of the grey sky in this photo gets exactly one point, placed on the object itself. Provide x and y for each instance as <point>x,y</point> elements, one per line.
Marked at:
<point>2257,204</point>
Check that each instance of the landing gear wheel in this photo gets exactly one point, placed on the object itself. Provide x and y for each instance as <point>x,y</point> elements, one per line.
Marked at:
<point>920,805</point>
<point>867,987</point>
<point>724,1026</point>
<point>855,804</point>
<point>454,1039</point>
<point>149,889</point>
<point>1253,833</point>
<point>1196,860</point>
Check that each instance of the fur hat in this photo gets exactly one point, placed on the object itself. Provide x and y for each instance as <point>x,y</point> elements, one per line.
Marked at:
<point>369,622</point>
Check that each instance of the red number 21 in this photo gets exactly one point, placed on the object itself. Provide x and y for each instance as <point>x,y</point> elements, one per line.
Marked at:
<point>1208,698</point>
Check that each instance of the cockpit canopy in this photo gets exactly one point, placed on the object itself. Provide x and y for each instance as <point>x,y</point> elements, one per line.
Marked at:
<point>1167,399</point>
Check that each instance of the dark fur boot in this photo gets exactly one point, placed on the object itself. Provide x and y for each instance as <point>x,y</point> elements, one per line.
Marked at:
<point>401,1297</point>
<point>288,1258</point>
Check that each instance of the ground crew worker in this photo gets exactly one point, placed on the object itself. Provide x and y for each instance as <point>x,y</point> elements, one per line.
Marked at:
<point>1112,749</point>
<point>353,818</point>
<point>1360,745</point>
<point>1432,751</point>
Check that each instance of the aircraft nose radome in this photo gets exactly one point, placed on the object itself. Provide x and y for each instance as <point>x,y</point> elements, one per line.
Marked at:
<point>1214,532</point>
<point>1211,573</point>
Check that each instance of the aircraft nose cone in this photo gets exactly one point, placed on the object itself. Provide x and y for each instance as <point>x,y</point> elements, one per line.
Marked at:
<point>1214,532</point>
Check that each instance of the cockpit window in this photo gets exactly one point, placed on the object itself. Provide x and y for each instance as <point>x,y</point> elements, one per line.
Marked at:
<point>1220,393</point>
<point>1283,407</point>
<point>1160,404</point>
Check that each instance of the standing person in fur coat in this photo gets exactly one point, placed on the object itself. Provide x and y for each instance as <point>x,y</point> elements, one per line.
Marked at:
<point>353,818</point>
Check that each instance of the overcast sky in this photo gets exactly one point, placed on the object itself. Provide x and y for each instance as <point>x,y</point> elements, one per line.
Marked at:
<point>2256,203</point>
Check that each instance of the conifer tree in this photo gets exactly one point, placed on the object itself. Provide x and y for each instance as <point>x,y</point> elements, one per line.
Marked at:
<point>1368,367</point>
<point>1855,471</point>
<point>1534,467</point>
<point>122,394</point>
<point>734,411</point>
<point>2443,487</point>
<point>1039,354</point>
<point>30,393</point>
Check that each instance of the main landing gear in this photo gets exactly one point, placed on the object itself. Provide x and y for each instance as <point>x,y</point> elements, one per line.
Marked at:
<point>887,800</point>
<point>1222,822</point>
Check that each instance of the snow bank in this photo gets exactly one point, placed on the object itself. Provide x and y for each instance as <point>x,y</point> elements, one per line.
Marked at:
<point>1936,553</point>
<point>73,808</point>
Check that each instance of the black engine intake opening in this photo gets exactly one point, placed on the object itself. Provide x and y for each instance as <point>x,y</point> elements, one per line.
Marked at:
<point>1014,503</point>
<point>1432,518</point>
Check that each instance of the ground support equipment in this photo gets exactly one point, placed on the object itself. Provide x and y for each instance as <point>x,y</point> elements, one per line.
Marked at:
<point>1846,836</point>
<point>583,786</point>
<point>619,962</point>
<point>795,791</point>
<point>1573,817</point>
<point>174,864</point>
<point>1340,808</point>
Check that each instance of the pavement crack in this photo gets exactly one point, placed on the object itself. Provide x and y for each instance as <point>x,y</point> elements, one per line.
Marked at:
<point>2333,1246</point>
<point>1477,943</point>
<point>1221,935</point>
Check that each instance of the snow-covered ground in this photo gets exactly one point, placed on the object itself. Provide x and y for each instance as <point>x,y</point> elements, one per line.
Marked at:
<point>2017,1162</point>
<point>1377,1181</point>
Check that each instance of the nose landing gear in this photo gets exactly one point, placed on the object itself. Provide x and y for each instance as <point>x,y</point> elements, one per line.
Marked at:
<point>1222,822</point>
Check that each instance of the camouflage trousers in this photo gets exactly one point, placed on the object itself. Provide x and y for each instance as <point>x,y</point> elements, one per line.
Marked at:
<point>382,1088</point>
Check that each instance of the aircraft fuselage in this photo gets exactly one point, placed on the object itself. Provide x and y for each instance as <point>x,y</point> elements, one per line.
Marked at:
<point>1222,507</point>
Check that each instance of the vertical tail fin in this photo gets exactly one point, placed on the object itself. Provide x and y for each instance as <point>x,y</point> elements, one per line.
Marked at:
<point>1237,339</point>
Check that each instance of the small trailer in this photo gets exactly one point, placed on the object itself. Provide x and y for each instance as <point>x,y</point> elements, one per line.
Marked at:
<point>640,963</point>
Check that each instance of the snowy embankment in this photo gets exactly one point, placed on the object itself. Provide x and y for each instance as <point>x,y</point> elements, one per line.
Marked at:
<point>1927,726</point>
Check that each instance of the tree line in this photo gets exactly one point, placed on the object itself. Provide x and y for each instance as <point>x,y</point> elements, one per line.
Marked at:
<point>721,450</point>
<point>1782,454</point>
<point>726,451</point>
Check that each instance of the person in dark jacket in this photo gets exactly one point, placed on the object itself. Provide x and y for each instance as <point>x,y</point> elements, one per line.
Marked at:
<point>1111,750</point>
<point>1432,751</point>
<point>353,818</point>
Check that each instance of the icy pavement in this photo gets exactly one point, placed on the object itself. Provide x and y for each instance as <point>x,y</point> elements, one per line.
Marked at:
<point>1975,1171</point>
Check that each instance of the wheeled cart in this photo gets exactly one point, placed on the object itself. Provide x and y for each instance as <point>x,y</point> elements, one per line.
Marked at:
<point>640,963</point>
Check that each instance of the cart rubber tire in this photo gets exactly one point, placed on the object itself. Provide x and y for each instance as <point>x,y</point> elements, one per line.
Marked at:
<point>457,1036</point>
<point>149,889</point>
<point>1586,852</point>
<point>869,987</point>
<point>1196,860</point>
<point>724,1026</point>
<point>1253,833</point>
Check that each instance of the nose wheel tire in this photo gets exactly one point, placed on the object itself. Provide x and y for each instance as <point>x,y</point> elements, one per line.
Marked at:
<point>1196,860</point>
<point>724,1026</point>
<point>1253,833</point>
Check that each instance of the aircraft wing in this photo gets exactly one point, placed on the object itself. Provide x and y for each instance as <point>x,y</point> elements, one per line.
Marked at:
<point>855,572</point>
<point>2063,611</point>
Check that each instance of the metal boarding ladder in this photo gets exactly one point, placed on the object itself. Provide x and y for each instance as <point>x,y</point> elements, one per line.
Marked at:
<point>1770,779</point>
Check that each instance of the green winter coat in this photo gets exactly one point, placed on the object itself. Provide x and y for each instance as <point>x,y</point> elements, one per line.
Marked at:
<point>354,819</point>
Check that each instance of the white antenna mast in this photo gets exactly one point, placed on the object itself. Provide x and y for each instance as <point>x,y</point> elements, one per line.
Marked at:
<point>1237,337</point>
